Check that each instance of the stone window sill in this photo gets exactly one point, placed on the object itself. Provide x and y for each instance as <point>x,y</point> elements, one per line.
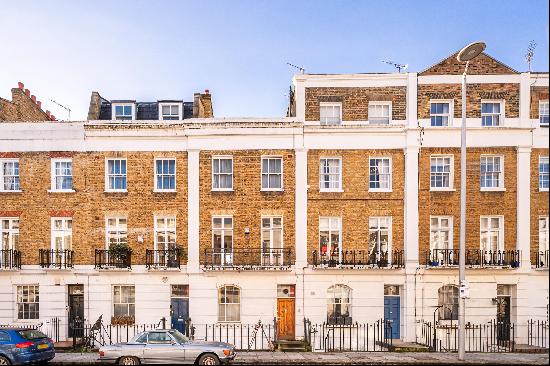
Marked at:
<point>10,191</point>
<point>61,191</point>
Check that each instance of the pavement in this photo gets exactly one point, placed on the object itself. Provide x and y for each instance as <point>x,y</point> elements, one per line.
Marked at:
<point>348,358</point>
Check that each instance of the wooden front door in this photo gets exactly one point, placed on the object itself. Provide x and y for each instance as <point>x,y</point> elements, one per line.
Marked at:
<point>285,318</point>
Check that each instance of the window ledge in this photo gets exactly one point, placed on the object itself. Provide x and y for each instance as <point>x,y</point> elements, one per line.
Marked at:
<point>116,191</point>
<point>222,190</point>
<point>61,191</point>
<point>11,191</point>
<point>492,190</point>
<point>331,190</point>
<point>162,191</point>
<point>442,190</point>
<point>271,190</point>
<point>377,190</point>
<point>540,190</point>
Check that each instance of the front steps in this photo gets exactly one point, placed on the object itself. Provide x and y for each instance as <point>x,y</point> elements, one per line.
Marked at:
<point>291,346</point>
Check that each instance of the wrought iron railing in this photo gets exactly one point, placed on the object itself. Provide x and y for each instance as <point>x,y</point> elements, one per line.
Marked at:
<point>358,259</point>
<point>474,258</point>
<point>245,337</point>
<point>10,259</point>
<point>538,333</point>
<point>166,258</point>
<point>540,259</point>
<point>107,259</point>
<point>55,258</point>
<point>247,259</point>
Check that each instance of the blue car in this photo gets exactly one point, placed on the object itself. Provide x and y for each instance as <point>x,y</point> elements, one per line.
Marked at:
<point>20,346</point>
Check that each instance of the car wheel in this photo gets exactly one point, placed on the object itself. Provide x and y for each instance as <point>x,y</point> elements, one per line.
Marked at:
<point>4,361</point>
<point>128,361</point>
<point>209,359</point>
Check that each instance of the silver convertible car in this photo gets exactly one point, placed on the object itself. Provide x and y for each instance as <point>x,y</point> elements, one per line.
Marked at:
<point>166,347</point>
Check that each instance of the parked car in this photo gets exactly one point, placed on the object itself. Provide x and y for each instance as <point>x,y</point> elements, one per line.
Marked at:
<point>20,346</point>
<point>167,346</point>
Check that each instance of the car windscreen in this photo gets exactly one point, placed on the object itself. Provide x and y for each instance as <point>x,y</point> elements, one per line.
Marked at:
<point>180,338</point>
<point>32,334</point>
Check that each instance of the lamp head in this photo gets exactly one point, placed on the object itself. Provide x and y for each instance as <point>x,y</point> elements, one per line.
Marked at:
<point>471,51</point>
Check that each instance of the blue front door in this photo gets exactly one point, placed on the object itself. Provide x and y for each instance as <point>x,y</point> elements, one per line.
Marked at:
<point>392,316</point>
<point>180,313</point>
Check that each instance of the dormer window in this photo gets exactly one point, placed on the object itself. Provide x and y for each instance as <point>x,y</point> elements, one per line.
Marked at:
<point>170,111</point>
<point>123,111</point>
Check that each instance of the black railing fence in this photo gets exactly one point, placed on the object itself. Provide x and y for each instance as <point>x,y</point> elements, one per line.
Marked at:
<point>537,333</point>
<point>167,258</point>
<point>10,259</point>
<point>53,258</point>
<point>474,258</point>
<point>540,259</point>
<point>248,258</point>
<point>358,259</point>
<point>50,327</point>
<point>245,337</point>
<point>356,337</point>
<point>105,259</point>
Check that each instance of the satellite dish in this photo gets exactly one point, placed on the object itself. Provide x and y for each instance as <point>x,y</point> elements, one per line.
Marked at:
<point>471,51</point>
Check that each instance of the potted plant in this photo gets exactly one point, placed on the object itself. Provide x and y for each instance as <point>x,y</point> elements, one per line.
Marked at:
<point>119,253</point>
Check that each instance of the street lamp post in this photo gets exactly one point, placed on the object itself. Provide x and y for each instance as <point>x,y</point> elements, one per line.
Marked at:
<point>467,54</point>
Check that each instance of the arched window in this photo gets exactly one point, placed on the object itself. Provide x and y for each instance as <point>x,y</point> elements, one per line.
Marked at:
<point>229,304</point>
<point>448,302</point>
<point>339,305</point>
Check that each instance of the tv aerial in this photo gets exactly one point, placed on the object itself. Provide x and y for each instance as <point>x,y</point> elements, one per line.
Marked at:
<point>530,53</point>
<point>302,70</point>
<point>397,65</point>
<point>62,106</point>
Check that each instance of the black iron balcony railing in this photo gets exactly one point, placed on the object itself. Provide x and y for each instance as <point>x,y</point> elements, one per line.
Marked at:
<point>52,258</point>
<point>10,259</point>
<point>108,259</point>
<point>162,259</point>
<point>540,259</point>
<point>474,258</point>
<point>247,259</point>
<point>358,259</point>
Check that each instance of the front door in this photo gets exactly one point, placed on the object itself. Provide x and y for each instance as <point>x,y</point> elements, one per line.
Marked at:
<point>285,312</point>
<point>179,307</point>
<point>76,310</point>
<point>392,312</point>
<point>503,318</point>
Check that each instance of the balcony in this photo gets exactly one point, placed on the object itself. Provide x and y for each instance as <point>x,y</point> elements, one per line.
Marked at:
<point>10,259</point>
<point>108,259</point>
<point>247,259</point>
<point>540,259</point>
<point>474,258</point>
<point>164,259</point>
<point>358,259</point>
<point>56,259</point>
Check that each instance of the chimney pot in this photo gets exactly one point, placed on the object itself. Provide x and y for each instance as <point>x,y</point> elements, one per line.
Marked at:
<point>206,91</point>
<point>39,104</point>
<point>20,85</point>
<point>33,98</point>
<point>48,113</point>
<point>52,117</point>
<point>28,92</point>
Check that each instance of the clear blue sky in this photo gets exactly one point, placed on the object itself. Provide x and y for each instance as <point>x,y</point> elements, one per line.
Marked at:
<point>149,50</point>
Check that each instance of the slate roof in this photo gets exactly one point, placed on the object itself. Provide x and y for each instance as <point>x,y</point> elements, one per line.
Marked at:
<point>144,110</point>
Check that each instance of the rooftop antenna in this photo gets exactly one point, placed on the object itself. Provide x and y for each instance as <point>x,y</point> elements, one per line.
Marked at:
<point>530,53</point>
<point>302,70</point>
<point>398,66</point>
<point>62,106</point>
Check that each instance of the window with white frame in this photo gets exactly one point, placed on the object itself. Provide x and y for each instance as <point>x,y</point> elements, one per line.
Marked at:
<point>222,173</point>
<point>272,240</point>
<point>330,113</point>
<point>165,174</point>
<point>448,302</point>
<point>380,237</point>
<point>440,113</point>
<point>9,234</point>
<point>330,235</point>
<point>62,233</point>
<point>272,173</point>
<point>441,172</point>
<point>492,172</point>
<point>170,111</point>
<point>379,113</point>
<point>165,232</point>
<point>222,240</point>
<point>62,174</point>
<point>28,302</point>
<point>116,175</point>
<point>491,114</point>
<point>229,304</point>
<point>124,301</point>
<point>543,173</point>
<point>116,231</point>
<point>9,175</point>
<point>441,233</point>
<point>543,234</point>
<point>491,233</point>
<point>339,305</point>
<point>330,174</point>
<point>380,178</point>
<point>544,113</point>
<point>123,111</point>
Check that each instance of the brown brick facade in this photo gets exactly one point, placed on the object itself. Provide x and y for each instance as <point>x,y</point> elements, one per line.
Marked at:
<point>355,101</point>
<point>447,203</point>
<point>538,93</point>
<point>22,107</point>
<point>89,205</point>
<point>481,65</point>
<point>539,200</point>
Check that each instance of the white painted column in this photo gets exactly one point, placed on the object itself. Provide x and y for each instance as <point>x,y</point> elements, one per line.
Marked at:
<point>524,205</point>
<point>525,99</point>
<point>412,94</point>
<point>193,206</point>
<point>300,211</point>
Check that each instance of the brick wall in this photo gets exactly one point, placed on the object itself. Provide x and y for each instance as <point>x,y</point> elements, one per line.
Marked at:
<point>538,93</point>
<point>91,204</point>
<point>539,200</point>
<point>475,93</point>
<point>481,65</point>
<point>355,204</point>
<point>355,101</point>
<point>478,203</point>
<point>246,203</point>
